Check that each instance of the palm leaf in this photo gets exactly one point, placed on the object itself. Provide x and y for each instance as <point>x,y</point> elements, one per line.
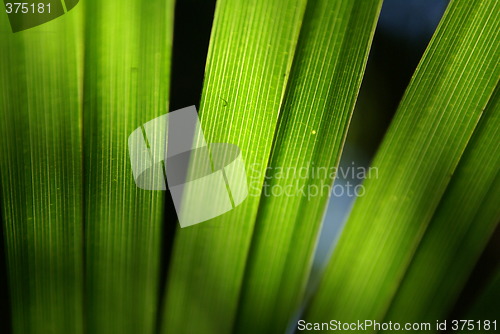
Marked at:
<point>41,173</point>
<point>422,148</point>
<point>251,50</point>
<point>459,230</point>
<point>326,75</point>
<point>128,47</point>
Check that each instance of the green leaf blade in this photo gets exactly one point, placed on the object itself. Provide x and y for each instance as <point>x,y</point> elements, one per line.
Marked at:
<point>40,173</point>
<point>248,64</point>
<point>458,232</point>
<point>326,75</point>
<point>128,50</point>
<point>435,120</point>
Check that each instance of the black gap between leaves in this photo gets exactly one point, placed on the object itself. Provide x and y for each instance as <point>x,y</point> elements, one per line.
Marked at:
<point>192,28</point>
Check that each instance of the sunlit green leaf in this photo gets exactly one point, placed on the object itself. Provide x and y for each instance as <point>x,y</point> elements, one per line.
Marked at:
<point>41,173</point>
<point>251,51</point>
<point>127,68</point>
<point>326,75</point>
<point>435,120</point>
<point>459,230</point>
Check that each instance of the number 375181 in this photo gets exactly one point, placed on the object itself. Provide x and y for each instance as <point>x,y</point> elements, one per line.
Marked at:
<point>27,8</point>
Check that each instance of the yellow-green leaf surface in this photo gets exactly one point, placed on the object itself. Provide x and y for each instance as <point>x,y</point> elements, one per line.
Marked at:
<point>127,68</point>
<point>459,230</point>
<point>435,120</point>
<point>324,82</point>
<point>251,51</point>
<point>41,173</point>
